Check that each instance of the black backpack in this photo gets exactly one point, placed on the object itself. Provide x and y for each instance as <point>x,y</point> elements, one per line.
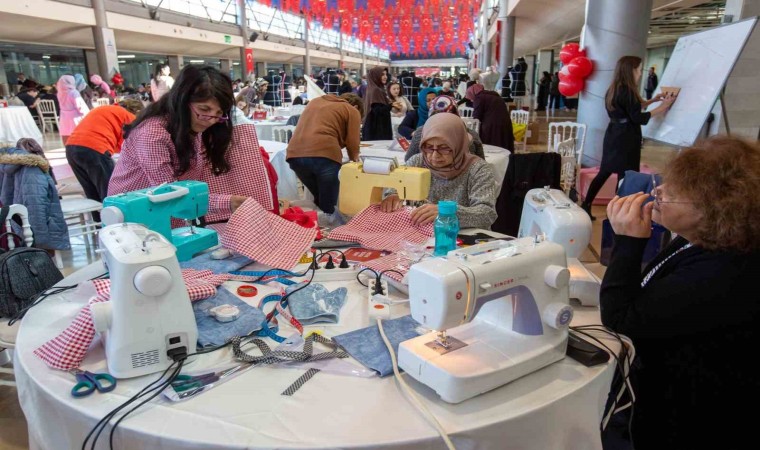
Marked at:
<point>25,272</point>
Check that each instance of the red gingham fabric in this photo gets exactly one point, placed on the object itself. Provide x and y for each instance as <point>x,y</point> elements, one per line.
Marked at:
<point>67,350</point>
<point>396,261</point>
<point>378,230</point>
<point>248,175</point>
<point>148,159</point>
<point>265,237</point>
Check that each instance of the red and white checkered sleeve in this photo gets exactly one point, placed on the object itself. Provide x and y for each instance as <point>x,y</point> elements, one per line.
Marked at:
<point>155,150</point>
<point>219,204</point>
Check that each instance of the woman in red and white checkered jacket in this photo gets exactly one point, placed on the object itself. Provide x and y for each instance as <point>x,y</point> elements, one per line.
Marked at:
<point>186,135</point>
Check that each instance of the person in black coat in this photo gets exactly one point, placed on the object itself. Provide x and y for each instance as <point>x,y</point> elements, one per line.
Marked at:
<point>377,107</point>
<point>621,149</point>
<point>544,84</point>
<point>490,109</point>
<point>692,314</point>
<point>556,96</point>
<point>651,83</point>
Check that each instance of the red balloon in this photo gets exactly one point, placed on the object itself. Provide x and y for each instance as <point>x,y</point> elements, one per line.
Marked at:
<point>564,73</point>
<point>580,67</point>
<point>570,86</point>
<point>570,51</point>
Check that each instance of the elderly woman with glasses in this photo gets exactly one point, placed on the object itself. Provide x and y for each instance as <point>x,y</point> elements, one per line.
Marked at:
<point>456,173</point>
<point>185,135</point>
<point>693,312</point>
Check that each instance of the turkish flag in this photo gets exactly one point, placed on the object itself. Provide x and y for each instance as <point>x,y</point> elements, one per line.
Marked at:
<point>249,60</point>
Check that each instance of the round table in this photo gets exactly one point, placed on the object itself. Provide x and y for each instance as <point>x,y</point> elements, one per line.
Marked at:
<point>16,122</point>
<point>557,407</point>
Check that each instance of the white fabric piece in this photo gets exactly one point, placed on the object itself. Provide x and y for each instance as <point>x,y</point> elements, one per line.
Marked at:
<point>557,407</point>
<point>16,122</point>
<point>287,181</point>
<point>312,90</point>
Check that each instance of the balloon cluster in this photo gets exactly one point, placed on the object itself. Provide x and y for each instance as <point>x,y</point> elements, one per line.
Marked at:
<point>576,67</point>
<point>117,79</point>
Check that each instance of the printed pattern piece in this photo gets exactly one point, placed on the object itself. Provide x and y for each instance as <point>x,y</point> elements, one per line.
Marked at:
<point>378,230</point>
<point>67,350</point>
<point>266,238</point>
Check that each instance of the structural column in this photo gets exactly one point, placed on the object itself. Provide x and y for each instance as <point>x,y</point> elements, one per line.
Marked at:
<point>176,62</point>
<point>530,81</point>
<point>245,33</point>
<point>506,38</point>
<point>613,29</point>
<point>105,43</point>
<point>226,67</point>
<point>306,57</point>
<point>364,60</point>
<point>340,50</point>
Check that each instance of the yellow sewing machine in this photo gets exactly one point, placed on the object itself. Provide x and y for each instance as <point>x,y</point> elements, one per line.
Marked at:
<point>362,183</point>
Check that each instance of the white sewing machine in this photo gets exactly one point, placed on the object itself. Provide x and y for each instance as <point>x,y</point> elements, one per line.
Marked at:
<point>149,314</point>
<point>500,311</point>
<point>362,184</point>
<point>551,213</point>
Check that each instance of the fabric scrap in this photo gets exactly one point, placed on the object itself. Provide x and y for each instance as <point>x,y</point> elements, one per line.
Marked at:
<point>378,230</point>
<point>211,332</point>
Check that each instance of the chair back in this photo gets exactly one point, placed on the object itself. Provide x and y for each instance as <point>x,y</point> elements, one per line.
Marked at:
<point>472,124</point>
<point>26,233</point>
<point>570,164</point>
<point>102,102</point>
<point>465,111</point>
<point>283,133</point>
<point>47,108</point>
<point>520,116</point>
<point>562,131</point>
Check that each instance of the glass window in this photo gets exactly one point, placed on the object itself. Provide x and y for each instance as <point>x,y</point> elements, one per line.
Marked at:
<point>138,68</point>
<point>40,63</point>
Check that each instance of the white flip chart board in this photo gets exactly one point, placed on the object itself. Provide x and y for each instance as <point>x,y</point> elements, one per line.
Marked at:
<point>700,66</point>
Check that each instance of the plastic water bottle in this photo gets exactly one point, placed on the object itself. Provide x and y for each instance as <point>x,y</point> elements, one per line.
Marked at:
<point>446,228</point>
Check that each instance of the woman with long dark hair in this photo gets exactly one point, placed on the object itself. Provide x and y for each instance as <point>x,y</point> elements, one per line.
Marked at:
<point>622,140</point>
<point>183,136</point>
<point>377,107</point>
<point>162,82</point>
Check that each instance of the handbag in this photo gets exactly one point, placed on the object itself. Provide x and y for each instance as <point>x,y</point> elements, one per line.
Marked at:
<point>25,273</point>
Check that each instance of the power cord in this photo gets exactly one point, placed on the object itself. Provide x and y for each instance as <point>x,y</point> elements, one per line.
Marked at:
<point>410,393</point>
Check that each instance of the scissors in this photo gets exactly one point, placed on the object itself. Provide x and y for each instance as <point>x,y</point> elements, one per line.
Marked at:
<point>186,382</point>
<point>88,382</point>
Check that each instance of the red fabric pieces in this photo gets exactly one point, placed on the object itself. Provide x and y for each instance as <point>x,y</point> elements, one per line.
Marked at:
<point>266,238</point>
<point>67,350</point>
<point>307,219</point>
<point>378,230</point>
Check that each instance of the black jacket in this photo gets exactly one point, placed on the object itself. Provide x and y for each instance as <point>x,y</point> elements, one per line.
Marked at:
<point>695,329</point>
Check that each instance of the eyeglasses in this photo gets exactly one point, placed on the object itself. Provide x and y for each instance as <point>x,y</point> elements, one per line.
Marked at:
<point>441,150</point>
<point>206,117</point>
<point>657,193</point>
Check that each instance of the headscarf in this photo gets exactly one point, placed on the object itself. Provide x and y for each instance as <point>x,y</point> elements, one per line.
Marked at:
<point>473,91</point>
<point>65,85</point>
<point>452,131</point>
<point>80,82</point>
<point>443,103</point>
<point>375,89</point>
<point>422,109</point>
<point>98,80</point>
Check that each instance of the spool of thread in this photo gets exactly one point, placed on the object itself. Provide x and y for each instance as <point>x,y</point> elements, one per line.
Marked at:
<point>378,166</point>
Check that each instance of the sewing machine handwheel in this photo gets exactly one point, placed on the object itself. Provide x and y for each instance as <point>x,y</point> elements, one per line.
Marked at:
<point>153,281</point>
<point>557,276</point>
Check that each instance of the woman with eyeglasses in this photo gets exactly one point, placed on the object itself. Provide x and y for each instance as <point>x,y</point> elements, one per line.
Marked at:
<point>456,173</point>
<point>621,149</point>
<point>185,135</point>
<point>693,312</point>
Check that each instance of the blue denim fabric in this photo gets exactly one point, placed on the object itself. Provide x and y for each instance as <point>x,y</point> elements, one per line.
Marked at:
<point>367,346</point>
<point>315,304</point>
<point>211,332</point>
<point>320,176</point>
<point>204,262</point>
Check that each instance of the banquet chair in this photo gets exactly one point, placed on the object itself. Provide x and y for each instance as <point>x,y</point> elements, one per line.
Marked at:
<point>562,131</point>
<point>77,212</point>
<point>102,102</point>
<point>521,117</point>
<point>47,114</point>
<point>283,133</point>
<point>472,124</point>
<point>465,111</point>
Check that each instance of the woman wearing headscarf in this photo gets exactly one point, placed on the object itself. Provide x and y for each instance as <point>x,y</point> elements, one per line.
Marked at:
<point>73,107</point>
<point>377,108</point>
<point>425,96</point>
<point>490,109</point>
<point>443,104</point>
<point>456,173</point>
<point>84,89</point>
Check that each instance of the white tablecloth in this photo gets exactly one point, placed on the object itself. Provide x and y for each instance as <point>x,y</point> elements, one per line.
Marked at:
<point>287,181</point>
<point>264,128</point>
<point>16,122</point>
<point>557,407</point>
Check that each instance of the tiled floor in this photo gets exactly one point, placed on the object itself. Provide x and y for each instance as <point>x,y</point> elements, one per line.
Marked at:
<point>13,428</point>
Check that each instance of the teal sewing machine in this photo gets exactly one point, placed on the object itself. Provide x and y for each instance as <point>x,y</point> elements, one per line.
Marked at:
<point>155,207</point>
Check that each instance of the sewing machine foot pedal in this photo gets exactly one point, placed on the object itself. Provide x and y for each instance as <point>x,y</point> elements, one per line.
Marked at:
<point>441,348</point>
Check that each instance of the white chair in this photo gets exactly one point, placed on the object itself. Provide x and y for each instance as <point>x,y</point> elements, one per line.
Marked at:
<point>78,215</point>
<point>570,166</point>
<point>8,333</point>
<point>472,124</point>
<point>102,102</point>
<point>562,131</point>
<point>47,114</point>
<point>283,133</point>
<point>519,116</point>
<point>465,111</point>
<point>296,109</point>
